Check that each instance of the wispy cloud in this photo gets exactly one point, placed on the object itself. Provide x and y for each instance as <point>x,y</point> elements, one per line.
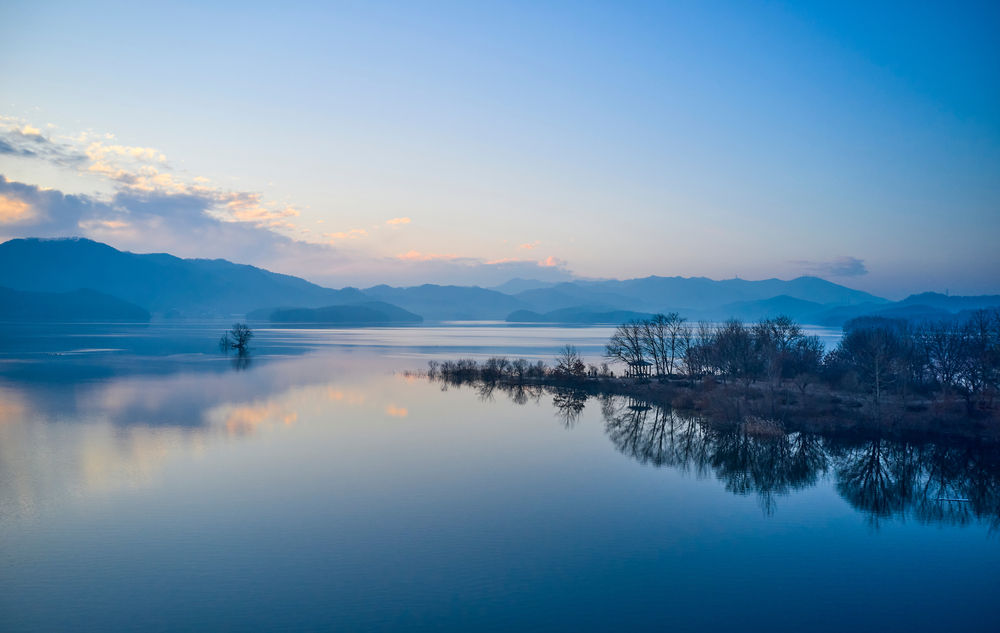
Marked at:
<point>340,236</point>
<point>529,245</point>
<point>19,138</point>
<point>138,170</point>
<point>398,221</point>
<point>844,266</point>
<point>417,256</point>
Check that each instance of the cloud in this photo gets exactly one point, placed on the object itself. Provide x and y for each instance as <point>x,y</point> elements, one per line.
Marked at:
<point>417,256</point>
<point>139,221</point>
<point>415,267</point>
<point>18,138</point>
<point>154,208</point>
<point>529,246</point>
<point>14,210</point>
<point>107,225</point>
<point>352,234</point>
<point>134,170</point>
<point>843,266</point>
<point>181,224</point>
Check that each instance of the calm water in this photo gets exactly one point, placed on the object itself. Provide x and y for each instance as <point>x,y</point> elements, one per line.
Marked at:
<point>149,483</point>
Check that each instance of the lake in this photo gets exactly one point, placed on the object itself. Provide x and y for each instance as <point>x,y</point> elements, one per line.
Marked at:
<point>150,483</point>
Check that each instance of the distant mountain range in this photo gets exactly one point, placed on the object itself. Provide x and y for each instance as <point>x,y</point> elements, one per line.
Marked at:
<point>160,283</point>
<point>167,286</point>
<point>581,315</point>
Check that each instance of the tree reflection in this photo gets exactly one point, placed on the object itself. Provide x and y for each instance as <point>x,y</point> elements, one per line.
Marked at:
<point>955,484</point>
<point>885,479</point>
<point>241,361</point>
<point>769,466</point>
<point>569,405</point>
<point>882,478</point>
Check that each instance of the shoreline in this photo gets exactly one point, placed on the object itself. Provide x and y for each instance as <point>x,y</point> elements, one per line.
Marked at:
<point>818,409</point>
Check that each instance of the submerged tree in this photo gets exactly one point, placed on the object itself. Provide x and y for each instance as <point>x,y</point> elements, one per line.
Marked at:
<point>238,337</point>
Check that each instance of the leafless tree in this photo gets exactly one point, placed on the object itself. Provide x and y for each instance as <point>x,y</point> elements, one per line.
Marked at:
<point>569,363</point>
<point>238,337</point>
<point>946,346</point>
<point>627,343</point>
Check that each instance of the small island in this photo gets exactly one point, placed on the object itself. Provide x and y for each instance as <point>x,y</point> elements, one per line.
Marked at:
<point>366,313</point>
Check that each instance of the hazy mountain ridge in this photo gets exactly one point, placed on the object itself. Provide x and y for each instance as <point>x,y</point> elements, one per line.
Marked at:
<point>166,285</point>
<point>451,303</point>
<point>158,282</point>
<point>578,315</point>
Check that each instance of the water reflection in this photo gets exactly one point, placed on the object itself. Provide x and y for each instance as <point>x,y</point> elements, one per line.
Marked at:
<point>569,404</point>
<point>933,483</point>
<point>956,483</point>
<point>746,460</point>
<point>75,438</point>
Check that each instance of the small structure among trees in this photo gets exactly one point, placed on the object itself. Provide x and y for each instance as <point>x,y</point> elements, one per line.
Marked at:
<point>639,369</point>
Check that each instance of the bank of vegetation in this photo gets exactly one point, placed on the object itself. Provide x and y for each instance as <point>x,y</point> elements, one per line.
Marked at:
<point>889,373</point>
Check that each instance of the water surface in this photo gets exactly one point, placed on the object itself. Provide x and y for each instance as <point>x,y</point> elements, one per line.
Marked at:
<point>148,482</point>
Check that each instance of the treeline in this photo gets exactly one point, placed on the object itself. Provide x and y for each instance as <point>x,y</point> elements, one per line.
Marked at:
<point>877,355</point>
<point>569,367</point>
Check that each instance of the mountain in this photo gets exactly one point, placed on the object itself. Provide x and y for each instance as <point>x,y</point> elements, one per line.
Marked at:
<point>578,315</point>
<point>167,285</point>
<point>689,295</point>
<point>569,295</point>
<point>159,282</point>
<point>75,305</point>
<point>839,316</point>
<point>367,313</point>
<point>452,303</point>
<point>953,304</point>
<point>798,309</point>
<point>518,284</point>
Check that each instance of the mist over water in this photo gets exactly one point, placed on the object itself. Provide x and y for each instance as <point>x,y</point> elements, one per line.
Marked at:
<point>150,482</point>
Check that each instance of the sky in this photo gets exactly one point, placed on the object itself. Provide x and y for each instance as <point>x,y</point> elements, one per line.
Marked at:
<point>470,143</point>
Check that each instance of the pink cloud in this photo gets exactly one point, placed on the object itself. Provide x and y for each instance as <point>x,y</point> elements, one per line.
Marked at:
<point>417,256</point>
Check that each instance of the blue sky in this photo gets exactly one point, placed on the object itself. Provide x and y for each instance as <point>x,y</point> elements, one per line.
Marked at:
<point>472,142</point>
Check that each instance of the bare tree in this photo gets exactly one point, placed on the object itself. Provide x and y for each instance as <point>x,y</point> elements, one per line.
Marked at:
<point>569,363</point>
<point>874,351</point>
<point>678,339</point>
<point>736,349</point>
<point>627,344</point>
<point>946,346</point>
<point>805,362</point>
<point>238,337</point>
